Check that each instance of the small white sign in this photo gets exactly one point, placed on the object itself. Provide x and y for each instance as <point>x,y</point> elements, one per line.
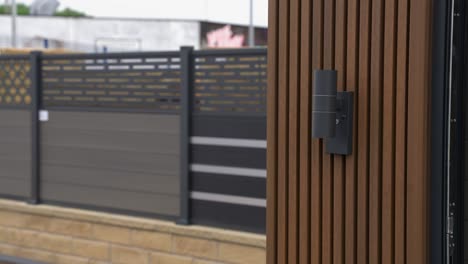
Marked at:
<point>43,115</point>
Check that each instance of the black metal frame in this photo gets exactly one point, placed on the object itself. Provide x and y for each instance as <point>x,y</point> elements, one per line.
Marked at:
<point>439,97</point>
<point>229,52</point>
<point>186,54</point>
<point>459,84</point>
<point>126,55</point>
<point>36,89</point>
<point>440,106</point>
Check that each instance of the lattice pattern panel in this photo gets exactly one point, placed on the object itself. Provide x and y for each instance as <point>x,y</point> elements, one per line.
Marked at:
<point>15,83</point>
<point>231,84</point>
<point>138,82</point>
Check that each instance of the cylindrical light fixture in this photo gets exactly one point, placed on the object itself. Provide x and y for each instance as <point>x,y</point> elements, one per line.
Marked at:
<point>324,99</point>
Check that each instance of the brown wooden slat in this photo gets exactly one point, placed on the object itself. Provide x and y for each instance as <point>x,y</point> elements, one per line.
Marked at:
<point>327,173</point>
<point>352,70</point>
<point>375,158</point>
<point>400,132</point>
<point>316,199</point>
<point>293,157</point>
<point>283,138</point>
<point>339,161</point>
<point>388,145</point>
<point>272,135</point>
<point>363,99</point>
<point>305,138</point>
<point>418,130</point>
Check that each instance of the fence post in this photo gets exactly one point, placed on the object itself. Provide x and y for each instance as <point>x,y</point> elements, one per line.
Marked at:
<point>36,93</point>
<point>187,68</point>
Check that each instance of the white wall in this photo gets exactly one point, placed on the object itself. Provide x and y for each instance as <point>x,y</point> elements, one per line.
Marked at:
<point>83,34</point>
<point>219,11</point>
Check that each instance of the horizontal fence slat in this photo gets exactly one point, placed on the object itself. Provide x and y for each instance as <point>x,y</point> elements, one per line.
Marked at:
<point>229,127</point>
<point>14,187</point>
<point>228,142</point>
<point>124,122</point>
<point>224,170</point>
<point>228,184</point>
<point>111,179</point>
<point>230,52</point>
<point>123,200</point>
<point>252,158</point>
<point>228,199</point>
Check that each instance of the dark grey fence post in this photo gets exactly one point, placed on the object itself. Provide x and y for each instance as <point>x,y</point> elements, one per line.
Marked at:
<point>187,69</point>
<point>36,92</point>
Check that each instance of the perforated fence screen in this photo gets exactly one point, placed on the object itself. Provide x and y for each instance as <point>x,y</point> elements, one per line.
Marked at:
<point>123,81</point>
<point>233,83</point>
<point>15,81</point>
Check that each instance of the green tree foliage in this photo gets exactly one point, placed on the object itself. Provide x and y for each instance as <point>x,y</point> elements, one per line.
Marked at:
<point>68,12</point>
<point>23,10</point>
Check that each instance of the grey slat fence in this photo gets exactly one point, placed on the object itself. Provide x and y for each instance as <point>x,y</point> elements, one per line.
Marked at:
<point>173,135</point>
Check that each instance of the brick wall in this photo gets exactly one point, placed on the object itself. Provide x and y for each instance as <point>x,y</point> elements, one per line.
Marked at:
<point>62,235</point>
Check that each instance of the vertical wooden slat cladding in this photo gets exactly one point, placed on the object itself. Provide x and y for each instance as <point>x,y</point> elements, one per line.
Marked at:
<point>375,135</point>
<point>327,160</point>
<point>316,159</point>
<point>292,175</point>
<point>304,127</point>
<point>400,130</point>
<point>272,133</point>
<point>362,149</point>
<point>369,207</point>
<point>339,161</point>
<point>417,131</point>
<point>351,43</point>
<point>283,95</point>
<point>388,134</point>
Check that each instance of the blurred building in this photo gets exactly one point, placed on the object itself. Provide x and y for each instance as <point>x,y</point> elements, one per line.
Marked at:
<point>113,35</point>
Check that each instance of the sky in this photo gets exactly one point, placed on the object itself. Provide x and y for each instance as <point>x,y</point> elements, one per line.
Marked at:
<point>225,11</point>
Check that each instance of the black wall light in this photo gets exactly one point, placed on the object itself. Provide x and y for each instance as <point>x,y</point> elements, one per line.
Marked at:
<point>332,113</point>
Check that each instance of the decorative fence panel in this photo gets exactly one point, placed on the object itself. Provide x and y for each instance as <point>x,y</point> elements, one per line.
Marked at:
<point>228,139</point>
<point>112,136</point>
<point>113,133</point>
<point>15,126</point>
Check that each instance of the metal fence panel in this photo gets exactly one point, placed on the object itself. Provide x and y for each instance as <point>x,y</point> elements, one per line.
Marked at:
<point>169,134</point>
<point>149,82</point>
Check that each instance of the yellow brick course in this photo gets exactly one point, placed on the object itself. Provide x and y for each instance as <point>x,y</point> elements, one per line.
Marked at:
<point>61,259</point>
<point>195,247</point>
<point>8,250</point>
<point>91,249</point>
<point>126,255</point>
<point>54,243</point>
<point>26,221</point>
<point>112,234</point>
<point>18,237</point>
<point>198,261</point>
<point>160,258</point>
<point>37,255</point>
<point>58,236</point>
<point>152,240</point>
<point>71,228</point>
